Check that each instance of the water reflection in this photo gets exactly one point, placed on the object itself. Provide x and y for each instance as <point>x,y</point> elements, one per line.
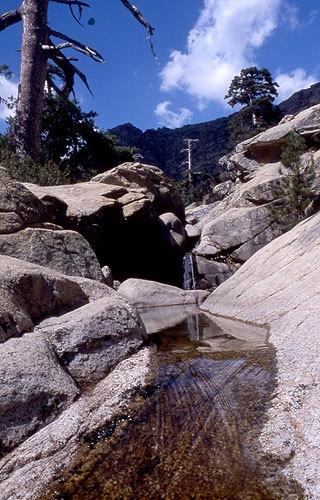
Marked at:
<point>194,435</point>
<point>215,333</point>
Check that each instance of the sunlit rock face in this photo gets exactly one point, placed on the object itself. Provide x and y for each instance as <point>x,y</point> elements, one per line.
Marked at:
<point>280,286</point>
<point>241,223</point>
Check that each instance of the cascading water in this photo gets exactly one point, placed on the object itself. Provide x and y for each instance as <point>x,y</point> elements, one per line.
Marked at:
<point>189,272</point>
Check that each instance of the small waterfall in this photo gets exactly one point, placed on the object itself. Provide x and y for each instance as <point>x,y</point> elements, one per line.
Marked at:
<point>189,272</point>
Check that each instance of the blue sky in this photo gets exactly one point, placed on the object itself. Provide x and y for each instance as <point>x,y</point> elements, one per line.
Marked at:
<point>201,45</point>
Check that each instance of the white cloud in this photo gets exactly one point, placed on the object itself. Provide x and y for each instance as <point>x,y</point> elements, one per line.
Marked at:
<point>221,43</point>
<point>290,83</point>
<point>170,118</point>
<point>7,89</point>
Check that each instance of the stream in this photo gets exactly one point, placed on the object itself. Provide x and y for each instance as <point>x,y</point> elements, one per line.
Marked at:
<point>194,434</point>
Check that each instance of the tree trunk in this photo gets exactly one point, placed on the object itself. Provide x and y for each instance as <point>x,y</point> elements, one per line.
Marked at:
<point>32,77</point>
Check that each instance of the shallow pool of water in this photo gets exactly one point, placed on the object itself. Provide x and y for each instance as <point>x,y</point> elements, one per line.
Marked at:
<point>194,435</point>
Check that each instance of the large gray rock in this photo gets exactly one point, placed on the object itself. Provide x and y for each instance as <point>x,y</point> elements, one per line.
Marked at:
<point>118,214</point>
<point>93,339</point>
<point>18,205</point>
<point>30,292</point>
<point>34,388</point>
<point>242,223</point>
<point>280,287</point>
<point>232,229</point>
<point>147,293</point>
<point>65,251</point>
<point>148,180</point>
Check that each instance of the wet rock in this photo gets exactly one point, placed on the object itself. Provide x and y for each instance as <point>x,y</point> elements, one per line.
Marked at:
<point>210,273</point>
<point>48,453</point>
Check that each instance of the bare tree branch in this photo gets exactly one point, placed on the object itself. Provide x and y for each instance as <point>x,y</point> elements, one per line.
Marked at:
<point>79,46</point>
<point>9,18</point>
<point>137,14</point>
<point>69,70</point>
<point>74,3</point>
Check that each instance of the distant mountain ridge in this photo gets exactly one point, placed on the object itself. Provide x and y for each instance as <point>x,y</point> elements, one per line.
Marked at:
<point>163,147</point>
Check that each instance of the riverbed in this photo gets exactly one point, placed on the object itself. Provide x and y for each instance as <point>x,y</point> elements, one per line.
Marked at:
<point>194,434</point>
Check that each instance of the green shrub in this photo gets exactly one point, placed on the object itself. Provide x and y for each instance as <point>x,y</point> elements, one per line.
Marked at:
<point>46,174</point>
<point>295,193</point>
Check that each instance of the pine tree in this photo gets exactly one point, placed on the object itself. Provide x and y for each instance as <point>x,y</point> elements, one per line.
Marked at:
<point>295,193</point>
<point>255,89</point>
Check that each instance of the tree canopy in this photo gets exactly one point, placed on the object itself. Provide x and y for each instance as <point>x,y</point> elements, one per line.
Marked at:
<point>41,44</point>
<point>255,89</point>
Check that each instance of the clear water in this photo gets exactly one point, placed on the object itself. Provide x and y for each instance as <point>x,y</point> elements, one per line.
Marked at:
<point>194,435</point>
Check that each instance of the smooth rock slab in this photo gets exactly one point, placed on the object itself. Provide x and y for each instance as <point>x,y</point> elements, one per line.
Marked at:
<point>280,287</point>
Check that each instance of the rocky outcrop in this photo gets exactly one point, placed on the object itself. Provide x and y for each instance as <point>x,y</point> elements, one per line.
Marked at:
<point>149,181</point>
<point>279,287</point>
<point>63,334</point>
<point>237,226</point>
<point>119,213</point>
<point>267,146</point>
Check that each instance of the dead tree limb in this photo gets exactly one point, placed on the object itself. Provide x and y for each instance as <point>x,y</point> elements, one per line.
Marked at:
<point>77,46</point>
<point>9,18</point>
<point>137,14</point>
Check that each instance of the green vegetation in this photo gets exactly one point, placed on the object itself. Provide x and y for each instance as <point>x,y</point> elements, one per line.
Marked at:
<point>295,193</point>
<point>70,138</point>
<point>201,184</point>
<point>72,148</point>
<point>26,170</point>
<point>255,89</point>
